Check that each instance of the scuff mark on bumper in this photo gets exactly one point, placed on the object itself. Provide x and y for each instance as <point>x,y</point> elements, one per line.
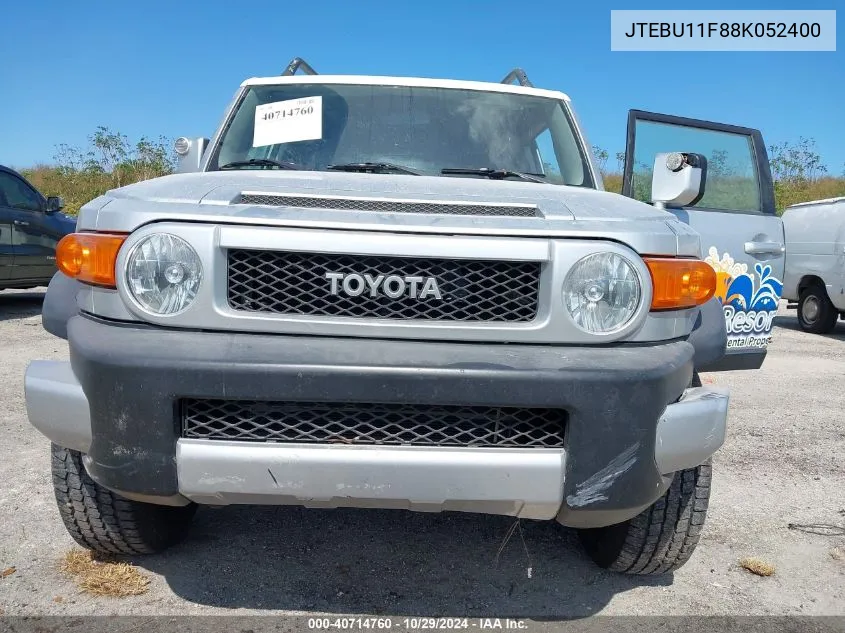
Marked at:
<point>592,490</point>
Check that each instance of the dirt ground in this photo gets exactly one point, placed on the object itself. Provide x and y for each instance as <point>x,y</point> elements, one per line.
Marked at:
<point>778,494</point>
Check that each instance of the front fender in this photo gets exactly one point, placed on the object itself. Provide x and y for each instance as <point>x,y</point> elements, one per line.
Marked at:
<point>709,335</point>
<point>60,304</point>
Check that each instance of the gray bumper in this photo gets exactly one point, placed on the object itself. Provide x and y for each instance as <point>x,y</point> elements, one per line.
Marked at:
<point>56,404</point>
<point>692,429</point>
<point>614,463</point>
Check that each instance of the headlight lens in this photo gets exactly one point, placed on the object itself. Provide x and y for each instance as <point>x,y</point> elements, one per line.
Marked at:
<point>163,274</point>
<point>602,292</point>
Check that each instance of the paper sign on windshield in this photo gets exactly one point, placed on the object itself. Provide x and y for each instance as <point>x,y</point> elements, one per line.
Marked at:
<point>288,121</point>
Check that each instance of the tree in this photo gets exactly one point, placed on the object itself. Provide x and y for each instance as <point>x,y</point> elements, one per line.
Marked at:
<point>601,157</point>
<point>151,158</point>
<point>796,168</point>
<point>113,149</point>
<point>796,163</point>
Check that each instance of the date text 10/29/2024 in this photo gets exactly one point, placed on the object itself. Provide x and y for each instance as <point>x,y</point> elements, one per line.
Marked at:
<point>415,624</point>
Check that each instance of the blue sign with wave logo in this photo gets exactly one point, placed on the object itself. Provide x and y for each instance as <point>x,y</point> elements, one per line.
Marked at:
<point>742,295</point>
<point>750,307</point>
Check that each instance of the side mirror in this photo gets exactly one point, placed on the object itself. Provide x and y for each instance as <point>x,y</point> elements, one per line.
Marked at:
<point>678,179</point>
<point>55,204</point>
<point>189,153</point>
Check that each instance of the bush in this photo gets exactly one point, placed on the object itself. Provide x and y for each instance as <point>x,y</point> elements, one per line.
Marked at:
<point>797,169</point>
<point>110,161</point>
<point>613,182</point>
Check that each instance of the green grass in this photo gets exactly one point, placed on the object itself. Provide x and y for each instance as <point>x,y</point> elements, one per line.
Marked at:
<point>736,193</point>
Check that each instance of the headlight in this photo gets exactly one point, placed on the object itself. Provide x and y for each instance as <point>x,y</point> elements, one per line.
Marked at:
<point>602,293</point>
<point>163,274</point>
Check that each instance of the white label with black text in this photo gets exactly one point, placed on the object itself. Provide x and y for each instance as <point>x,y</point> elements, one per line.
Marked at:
<point>288,121</point>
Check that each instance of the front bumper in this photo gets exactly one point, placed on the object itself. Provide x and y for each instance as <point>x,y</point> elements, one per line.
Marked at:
<point>631,420</point>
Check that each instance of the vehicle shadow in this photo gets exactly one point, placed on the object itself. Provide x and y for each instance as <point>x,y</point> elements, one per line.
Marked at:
<point>18,304</point>
<point>386,562</point>
<point>791,323</point>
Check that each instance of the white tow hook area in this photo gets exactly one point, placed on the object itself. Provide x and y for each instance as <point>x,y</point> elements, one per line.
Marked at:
<point>692,429</point>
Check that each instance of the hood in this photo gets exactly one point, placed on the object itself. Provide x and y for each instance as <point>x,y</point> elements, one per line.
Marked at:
<point>559,210</point>
<point>562,202</point>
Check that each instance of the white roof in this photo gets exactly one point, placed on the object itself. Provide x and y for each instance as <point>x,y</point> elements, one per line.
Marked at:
<point>420,82</point>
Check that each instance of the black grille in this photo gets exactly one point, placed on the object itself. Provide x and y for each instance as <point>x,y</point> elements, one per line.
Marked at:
<point>296,283</point>
<point>389,206</point>
<point>386,424</point>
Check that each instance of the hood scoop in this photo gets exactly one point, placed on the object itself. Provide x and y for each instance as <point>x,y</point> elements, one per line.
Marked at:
<point>387,205</point>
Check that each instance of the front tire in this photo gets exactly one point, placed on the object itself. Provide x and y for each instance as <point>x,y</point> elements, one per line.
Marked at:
<point>106,523</point>
<point>816,313</point>
<point>663,536</point>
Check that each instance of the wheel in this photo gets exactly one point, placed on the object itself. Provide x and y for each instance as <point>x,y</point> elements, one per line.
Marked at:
<point>107,523</point>
<point>663,536</point>
<point>816,314</point>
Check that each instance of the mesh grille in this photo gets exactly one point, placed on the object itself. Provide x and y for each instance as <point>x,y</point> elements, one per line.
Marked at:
<point>387,424</point>
<point>296,283</point>
<point>388,206</point>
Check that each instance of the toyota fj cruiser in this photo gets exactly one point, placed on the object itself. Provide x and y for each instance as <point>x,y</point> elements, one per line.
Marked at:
<point>410,293</point>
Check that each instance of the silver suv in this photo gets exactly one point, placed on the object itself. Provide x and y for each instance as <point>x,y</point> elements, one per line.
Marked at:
<point>410,293</point>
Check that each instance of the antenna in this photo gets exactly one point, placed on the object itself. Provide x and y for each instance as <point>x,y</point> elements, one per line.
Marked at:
<point>298,63</point>
<point>520,76</point>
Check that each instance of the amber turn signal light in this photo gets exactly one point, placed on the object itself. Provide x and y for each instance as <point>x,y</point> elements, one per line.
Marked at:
<point>89,257</point>
<point>680,283</point>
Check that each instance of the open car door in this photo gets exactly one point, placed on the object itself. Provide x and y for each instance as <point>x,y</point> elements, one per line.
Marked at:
<point>742,237</point>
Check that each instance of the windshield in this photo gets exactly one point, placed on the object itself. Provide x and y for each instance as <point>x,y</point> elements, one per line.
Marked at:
<point>426,130</point>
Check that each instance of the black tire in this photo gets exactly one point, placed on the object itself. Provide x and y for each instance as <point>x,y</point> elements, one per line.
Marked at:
<point>816,314</point>
<point>107,523</point>
<point>663,536</point>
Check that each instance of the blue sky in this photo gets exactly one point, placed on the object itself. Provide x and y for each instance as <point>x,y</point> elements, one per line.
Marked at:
<point>170,68</point>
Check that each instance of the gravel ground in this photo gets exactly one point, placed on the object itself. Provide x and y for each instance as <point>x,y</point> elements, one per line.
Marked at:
<point>778,494</point>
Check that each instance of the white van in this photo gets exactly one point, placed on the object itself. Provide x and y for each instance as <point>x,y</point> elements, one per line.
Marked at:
<point>815,262</point>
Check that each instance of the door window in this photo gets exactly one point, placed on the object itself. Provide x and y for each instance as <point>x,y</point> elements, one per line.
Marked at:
<point>732,182</point>
<point>17,194</point>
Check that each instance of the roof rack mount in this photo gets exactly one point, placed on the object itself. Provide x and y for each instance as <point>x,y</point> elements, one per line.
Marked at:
<point>520,76</point>
<point>297,63</point>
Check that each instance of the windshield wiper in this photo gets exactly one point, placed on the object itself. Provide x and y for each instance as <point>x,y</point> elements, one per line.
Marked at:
<point>374,168</point>
<point>260,162</point>
<point>496,174</point>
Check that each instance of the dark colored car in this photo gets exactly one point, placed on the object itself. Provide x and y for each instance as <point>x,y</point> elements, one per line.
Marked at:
<point>30,227</point>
